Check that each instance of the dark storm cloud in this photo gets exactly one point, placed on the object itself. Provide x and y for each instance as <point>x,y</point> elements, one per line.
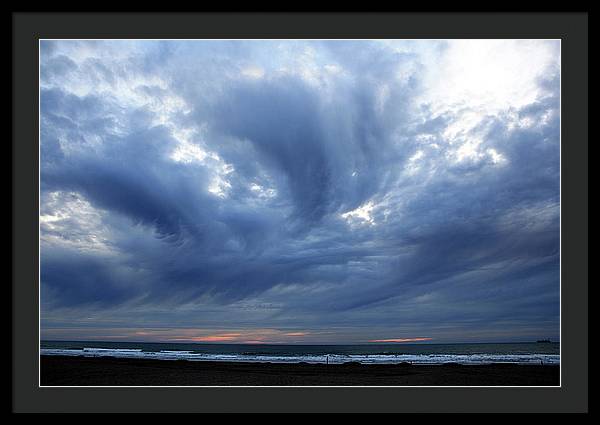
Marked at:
<point>258,217</point>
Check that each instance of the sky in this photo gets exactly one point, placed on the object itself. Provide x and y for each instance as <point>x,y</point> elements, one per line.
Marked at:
<point>300,191</point>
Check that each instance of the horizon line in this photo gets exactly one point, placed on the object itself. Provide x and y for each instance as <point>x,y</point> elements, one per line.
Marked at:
<point>420,342</point>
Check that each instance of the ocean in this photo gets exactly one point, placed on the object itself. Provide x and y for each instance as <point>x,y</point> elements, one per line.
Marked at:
<point>481,353</point>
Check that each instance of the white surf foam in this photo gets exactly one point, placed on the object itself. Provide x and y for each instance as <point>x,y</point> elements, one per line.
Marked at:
<point>331,358</point>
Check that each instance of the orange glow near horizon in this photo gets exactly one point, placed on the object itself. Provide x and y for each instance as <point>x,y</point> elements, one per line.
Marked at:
<point>259,336</point>
<point>209,338</point>
<point>401,340</point>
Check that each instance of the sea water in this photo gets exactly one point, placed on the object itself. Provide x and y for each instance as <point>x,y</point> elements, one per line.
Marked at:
<point>481,353</point>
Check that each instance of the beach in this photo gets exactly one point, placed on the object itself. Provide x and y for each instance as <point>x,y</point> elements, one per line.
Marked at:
<point>111,371</point>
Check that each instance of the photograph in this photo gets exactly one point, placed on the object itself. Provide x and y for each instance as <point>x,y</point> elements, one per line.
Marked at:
<point>290,212</point>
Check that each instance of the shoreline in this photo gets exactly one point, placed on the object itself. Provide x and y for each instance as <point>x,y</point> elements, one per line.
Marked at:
<point>113,371</point>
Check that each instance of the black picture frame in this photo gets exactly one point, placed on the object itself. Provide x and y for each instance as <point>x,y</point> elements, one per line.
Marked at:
<point>571,28</point>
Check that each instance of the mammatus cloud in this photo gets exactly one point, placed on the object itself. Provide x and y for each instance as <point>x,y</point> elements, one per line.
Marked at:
<point>300,191</point>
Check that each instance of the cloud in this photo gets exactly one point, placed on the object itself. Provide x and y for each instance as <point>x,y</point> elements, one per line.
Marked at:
<point>354,190</point>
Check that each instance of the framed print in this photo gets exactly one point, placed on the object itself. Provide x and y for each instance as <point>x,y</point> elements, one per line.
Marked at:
<point>229,206</point>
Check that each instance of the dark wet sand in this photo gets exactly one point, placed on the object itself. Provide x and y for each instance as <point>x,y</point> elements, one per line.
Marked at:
<point>63,370</point>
